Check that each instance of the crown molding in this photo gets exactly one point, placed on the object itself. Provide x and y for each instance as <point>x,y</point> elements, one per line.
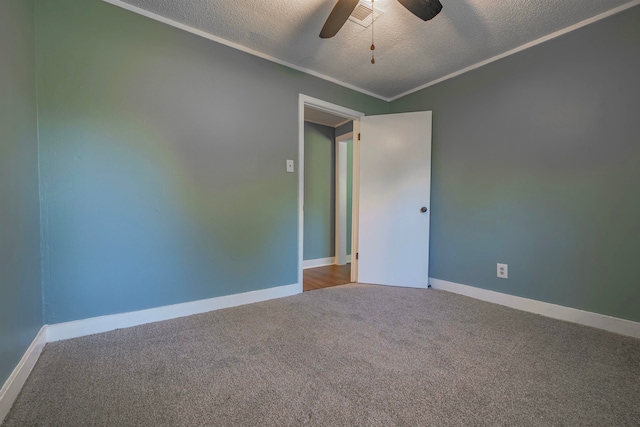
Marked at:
<point>237,46</point>
<point>522,47</point>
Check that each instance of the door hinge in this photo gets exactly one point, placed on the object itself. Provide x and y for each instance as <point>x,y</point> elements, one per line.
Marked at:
<point>358,136</point>
<point>357,253</point>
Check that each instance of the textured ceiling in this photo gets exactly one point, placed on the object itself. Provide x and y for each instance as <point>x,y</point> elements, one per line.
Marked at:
<point>409,52</point>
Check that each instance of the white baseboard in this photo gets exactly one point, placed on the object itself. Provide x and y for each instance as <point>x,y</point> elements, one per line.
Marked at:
<point>95,325</point>
<point>587,318</point>
<point>18,377</point>
<point>319,262</point>
<point>79,328</point>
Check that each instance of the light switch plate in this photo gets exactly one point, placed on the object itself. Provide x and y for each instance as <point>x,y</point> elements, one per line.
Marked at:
<point>290,166</point>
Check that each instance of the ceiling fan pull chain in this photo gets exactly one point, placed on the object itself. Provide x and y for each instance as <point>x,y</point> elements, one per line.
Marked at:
<point>373,18</point>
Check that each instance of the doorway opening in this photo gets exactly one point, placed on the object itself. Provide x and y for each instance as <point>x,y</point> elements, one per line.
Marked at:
<point>327,196</point>
<point>343,195</point>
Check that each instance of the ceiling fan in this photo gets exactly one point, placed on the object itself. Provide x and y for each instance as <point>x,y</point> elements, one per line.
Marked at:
<point>423,9</point>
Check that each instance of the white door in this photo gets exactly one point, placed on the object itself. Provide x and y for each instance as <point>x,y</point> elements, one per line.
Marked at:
<point>395,183</point>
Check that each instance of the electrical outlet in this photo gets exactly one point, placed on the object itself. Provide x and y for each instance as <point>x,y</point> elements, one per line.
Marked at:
<point>503,271</point>
<point>289,165</point>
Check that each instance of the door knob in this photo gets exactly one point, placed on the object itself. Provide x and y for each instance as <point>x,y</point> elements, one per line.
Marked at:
<point>423,209</point>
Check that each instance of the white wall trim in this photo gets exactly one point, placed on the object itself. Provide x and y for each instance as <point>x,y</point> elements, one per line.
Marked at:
<point>345,137</point>
<point>253,52</point>
<point>238,46</point>
<point>95,325</point>
<point>18,377</point>
<point>79,328</point>
<point>329,107</point>
<point>587,318</point>
<point>522,47</point>
<point>318,262</point>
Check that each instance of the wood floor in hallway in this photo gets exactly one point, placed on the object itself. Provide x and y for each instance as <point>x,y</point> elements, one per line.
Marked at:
<point>325,277</point>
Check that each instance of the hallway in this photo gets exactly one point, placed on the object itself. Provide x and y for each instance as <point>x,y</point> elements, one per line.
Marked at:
<point>325,277</point>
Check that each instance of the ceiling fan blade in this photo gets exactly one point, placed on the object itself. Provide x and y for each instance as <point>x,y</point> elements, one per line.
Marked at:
<point>423,9</point>
<point>339,15</point>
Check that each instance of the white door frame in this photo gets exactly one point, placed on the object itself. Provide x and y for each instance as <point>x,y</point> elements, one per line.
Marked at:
<point>347,113</point>
<point>341,205</point>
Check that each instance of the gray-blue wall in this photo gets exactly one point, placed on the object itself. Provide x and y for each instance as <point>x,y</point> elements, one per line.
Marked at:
<point>319,191</point>
<point>345,128</point>
<point>536,163</point>
<point>162,162</point>
<point>20,284</point>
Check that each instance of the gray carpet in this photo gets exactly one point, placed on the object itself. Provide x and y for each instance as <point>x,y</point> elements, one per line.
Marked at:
<point>351,355</point>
